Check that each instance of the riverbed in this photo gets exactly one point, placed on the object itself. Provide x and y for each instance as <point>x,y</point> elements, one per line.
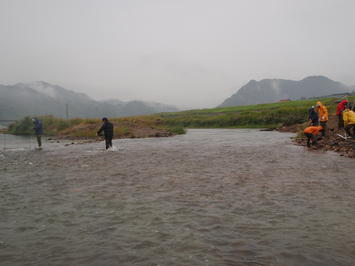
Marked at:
<point>210,197</point>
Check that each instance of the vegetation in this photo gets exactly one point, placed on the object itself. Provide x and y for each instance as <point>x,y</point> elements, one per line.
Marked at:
<point>261,115</point>
<point>165,124</point>
<point>130,127</point>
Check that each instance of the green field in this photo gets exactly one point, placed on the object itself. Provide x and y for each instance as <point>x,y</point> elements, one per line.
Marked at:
<point>250,116</point>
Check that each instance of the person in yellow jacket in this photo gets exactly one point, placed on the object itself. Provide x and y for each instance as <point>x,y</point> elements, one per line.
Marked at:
<point>323,116</point>
<point>349,122</point>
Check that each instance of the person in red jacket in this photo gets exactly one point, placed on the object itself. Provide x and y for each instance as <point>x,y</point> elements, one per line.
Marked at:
<point>312,133</point>
<point>340,108</point>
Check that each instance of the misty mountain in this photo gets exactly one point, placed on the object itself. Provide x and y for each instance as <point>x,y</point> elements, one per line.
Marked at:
<point>41,98</point>
<point>274,90</point>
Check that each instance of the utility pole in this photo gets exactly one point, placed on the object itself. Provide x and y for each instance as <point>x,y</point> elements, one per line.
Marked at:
<point>4,142</point>
<point>67,111</point>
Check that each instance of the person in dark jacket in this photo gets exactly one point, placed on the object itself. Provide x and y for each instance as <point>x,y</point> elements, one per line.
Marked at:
<point>107,128</point>
<point>313,116</point>
<point>38,129</point>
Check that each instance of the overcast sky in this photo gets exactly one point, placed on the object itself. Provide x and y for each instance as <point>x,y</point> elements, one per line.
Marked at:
<point>190,53</point>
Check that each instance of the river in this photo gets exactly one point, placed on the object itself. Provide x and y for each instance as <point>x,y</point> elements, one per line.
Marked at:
<point>210,197</point>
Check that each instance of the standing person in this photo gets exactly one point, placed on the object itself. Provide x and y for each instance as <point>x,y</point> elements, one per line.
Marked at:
<point>340,108</point>
<point>107,128</point>
<point>313,116</point>
<point>312,134</point>
<point>323,116</point>
<point>38,128</point>
<point>349,122</point>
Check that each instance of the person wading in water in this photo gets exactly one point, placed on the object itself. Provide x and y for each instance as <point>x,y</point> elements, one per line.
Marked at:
<point>107,128</point>
<point>38,129</point>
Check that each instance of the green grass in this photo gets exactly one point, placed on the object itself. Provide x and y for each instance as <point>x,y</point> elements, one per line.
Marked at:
<point>87,128</point>
<point>251,116</point>
<point>51,124</point>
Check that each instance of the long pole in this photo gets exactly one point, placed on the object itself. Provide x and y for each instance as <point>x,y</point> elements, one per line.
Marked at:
<point>4,142</point>
<point>67,111</point>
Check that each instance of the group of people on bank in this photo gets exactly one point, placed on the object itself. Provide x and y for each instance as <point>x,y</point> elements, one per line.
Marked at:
<point>318,118</point>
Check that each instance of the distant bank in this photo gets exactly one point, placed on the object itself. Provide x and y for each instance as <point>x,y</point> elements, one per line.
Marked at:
<point>80,128</point>
<point>167,124</point>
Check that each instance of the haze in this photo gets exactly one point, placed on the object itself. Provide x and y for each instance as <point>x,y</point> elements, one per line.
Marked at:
<point>189,53</point>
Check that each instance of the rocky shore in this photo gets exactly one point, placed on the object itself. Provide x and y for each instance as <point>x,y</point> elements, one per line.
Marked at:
<point>333,141</point>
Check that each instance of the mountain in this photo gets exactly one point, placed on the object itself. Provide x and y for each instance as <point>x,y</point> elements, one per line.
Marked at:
<point>42,98</point>
<point>273,90</point>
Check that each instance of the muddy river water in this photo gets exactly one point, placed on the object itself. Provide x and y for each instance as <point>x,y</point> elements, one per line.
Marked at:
<point>210,197</point>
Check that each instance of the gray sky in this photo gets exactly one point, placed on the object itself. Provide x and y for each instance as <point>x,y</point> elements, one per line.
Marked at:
<point>190,53</point>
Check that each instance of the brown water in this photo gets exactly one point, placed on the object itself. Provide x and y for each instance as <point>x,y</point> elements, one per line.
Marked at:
<point>210,197</point>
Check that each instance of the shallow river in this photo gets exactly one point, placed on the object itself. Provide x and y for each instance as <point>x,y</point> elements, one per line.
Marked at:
<point>210,197</point>
<point>19,143</point>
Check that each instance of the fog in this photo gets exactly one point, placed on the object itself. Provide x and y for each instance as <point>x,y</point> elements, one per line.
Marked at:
<point>189,53</point>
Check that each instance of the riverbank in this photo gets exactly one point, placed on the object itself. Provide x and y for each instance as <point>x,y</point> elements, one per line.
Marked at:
<point>284,116</point>
<point>271,115</point>
<point>85,129</point>
<point>333,141</point>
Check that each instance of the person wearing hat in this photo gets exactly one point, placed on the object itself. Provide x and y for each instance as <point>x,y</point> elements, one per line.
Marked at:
<point>340,109</point>
<point>38,129</point>
<point>313,116</point>
<point>107,128</point>
<point>323,116</point>
<point>312,134</point>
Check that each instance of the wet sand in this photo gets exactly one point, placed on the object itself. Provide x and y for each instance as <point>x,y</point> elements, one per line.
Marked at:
<point>210,197</point>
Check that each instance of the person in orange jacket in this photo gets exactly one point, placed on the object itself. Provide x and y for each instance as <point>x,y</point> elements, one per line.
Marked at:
<point>312,134</point>
<point>323,116</point>
<point>349,122</point>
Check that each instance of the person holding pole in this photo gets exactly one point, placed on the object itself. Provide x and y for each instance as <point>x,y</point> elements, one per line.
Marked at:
<point>107,128</point>
<point>38,129</point>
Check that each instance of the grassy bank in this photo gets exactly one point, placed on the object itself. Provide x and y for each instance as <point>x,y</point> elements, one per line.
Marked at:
<point>250,116</point>
<point>166,124</point>
<point>130,127</point>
